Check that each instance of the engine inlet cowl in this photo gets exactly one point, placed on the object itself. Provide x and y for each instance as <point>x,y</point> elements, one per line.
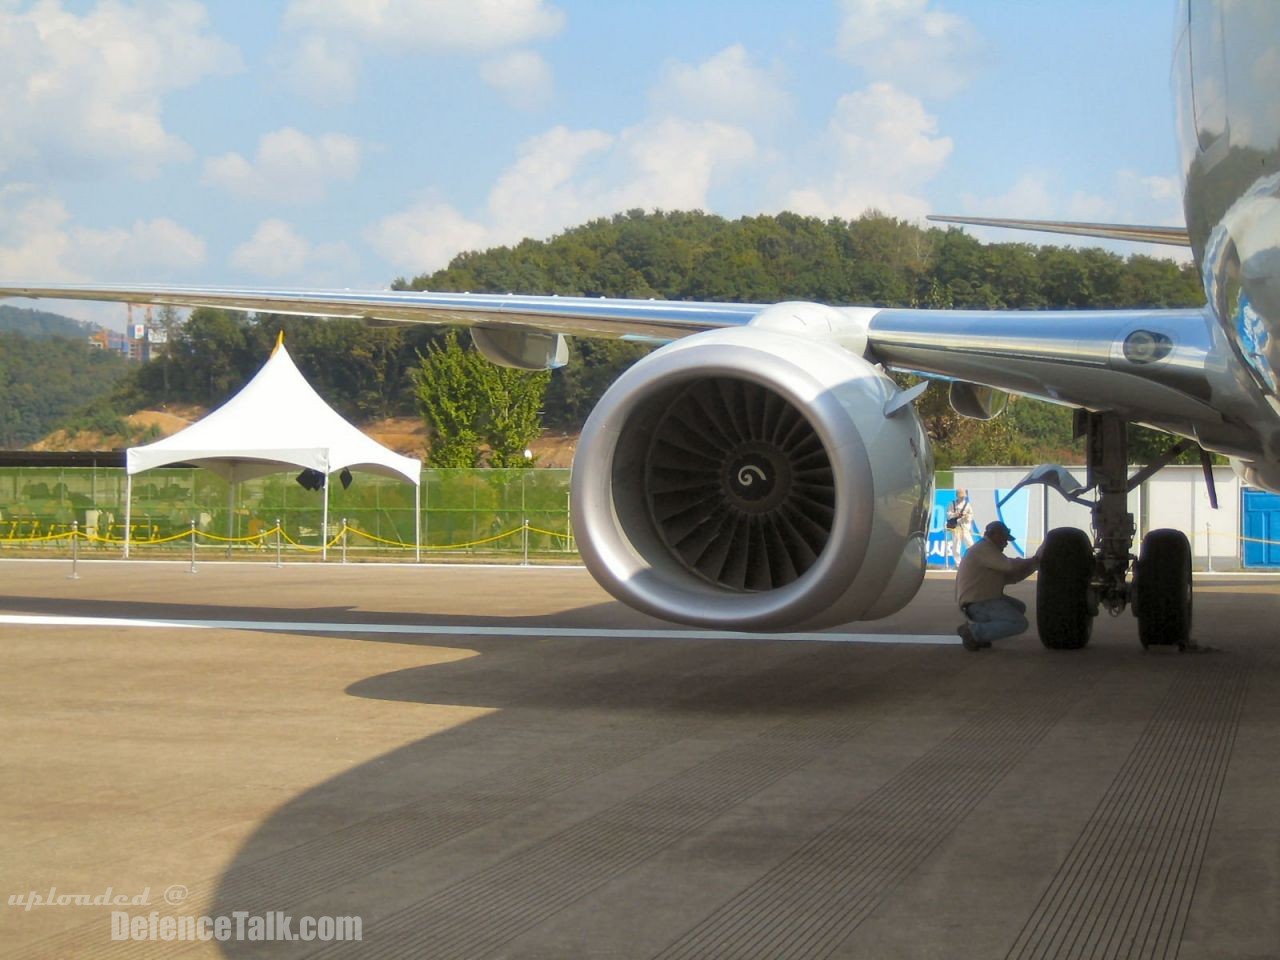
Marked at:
<point>749,479</point>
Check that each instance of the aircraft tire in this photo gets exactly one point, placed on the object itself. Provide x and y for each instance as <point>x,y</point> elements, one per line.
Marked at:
<point>1062,603</point>
<point>1162,589</point>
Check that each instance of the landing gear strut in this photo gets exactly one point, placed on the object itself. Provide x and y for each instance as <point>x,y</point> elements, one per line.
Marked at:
<point>1077,578</point>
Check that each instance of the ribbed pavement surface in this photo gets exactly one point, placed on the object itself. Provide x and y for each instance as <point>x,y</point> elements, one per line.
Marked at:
<point>680,799</point>
<point>1126,887</point>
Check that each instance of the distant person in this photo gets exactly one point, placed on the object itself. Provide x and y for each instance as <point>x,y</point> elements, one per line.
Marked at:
<point>960,525</point>
<point>257,528</point>
<point>984,573</point>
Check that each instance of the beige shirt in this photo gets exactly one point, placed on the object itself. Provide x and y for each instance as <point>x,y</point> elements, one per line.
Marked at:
<point>985,571</point>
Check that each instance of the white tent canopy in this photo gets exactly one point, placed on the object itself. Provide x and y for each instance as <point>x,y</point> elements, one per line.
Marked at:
<point>276,421</point>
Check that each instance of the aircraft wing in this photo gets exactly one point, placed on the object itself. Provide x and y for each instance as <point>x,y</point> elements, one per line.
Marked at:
<point>657,320</point>
<point>1174,236</point>
<point>1073,357</point>
<point>1164,368</point>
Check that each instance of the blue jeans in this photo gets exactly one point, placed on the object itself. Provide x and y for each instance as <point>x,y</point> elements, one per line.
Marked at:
<point>998,618</point>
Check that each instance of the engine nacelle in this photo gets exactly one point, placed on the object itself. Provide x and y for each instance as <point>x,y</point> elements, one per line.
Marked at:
<point>1258,473</point>
<point>747,479</point>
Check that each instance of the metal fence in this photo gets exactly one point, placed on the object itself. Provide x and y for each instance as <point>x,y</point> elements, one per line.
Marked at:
<point>480,513</point>
<point>485,514</point>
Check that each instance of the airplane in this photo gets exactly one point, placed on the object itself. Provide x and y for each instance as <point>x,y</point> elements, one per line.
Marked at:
<point>761,471</point>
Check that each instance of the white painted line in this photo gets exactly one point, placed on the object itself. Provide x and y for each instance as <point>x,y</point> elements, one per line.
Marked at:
<point>430,630</point>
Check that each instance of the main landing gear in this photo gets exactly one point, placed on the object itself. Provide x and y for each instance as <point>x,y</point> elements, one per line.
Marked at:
<point>1078,578</point>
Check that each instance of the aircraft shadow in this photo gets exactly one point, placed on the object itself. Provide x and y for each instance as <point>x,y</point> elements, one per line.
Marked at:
<point>570,714</point>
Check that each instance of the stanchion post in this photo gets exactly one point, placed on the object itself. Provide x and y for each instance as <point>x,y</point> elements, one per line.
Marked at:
<point>193,547</point>
<point>344,539</point>
<point>75,549</point>
<point>1208,545</point>
<point>525,528</point>
<point>279,563</point>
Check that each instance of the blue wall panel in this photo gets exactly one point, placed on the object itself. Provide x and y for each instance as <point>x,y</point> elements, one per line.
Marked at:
<point>1261,522</point>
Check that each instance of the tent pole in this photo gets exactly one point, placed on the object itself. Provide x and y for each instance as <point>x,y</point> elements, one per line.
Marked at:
<point>231,511</point>
<point>324,519</point>
<point>128,510</point>
<point>417,521</point>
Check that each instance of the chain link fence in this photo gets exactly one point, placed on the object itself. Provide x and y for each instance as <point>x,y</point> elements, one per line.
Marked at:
<point>485,514</point>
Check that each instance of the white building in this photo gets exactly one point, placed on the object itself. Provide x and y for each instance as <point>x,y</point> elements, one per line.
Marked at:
<point>1175,497</point>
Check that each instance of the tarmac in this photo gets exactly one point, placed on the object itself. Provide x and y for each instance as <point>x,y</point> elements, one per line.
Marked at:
<point>503,762</point>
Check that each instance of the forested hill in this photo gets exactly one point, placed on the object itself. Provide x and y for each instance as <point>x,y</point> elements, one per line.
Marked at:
<point>874,260</point>
<point>44,379</point>
<point>38,323</point>
<point>47,370</point>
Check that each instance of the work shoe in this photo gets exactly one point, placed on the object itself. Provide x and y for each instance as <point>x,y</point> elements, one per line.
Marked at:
<point>969,640</point>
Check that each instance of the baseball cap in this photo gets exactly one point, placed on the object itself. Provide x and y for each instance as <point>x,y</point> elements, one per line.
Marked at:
<point>995,526</point>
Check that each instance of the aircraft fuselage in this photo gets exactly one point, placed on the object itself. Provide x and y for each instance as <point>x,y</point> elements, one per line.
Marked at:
<point>1226,77</point>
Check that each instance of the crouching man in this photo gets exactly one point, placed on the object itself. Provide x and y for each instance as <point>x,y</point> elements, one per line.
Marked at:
<point>984,573</point>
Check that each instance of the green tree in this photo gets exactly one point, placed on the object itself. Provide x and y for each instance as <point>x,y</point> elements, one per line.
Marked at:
<point>513,413</point>
<point>170,321</point>
<point>452,404</point>
<point>469,403</point>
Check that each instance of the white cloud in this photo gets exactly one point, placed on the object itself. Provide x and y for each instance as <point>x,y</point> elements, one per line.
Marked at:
<point>564,177</point>
<point>277,251</point>
<point>1028,198</point>
<point>1165,191</point>
<point>1132,198</point>
<point>147,247</point>
<point>425,236</point>
<point>521,77</point>
<point>336,34</point>
<point>883,148</point>
<point>323,70</point>
<point>86,92</point>
<point>429,26</point>
<point>676,160</point>
<point>532,198</point>
<point>289,167</point>
<point>912,43</point>
<point>728,86</point>
<point>537,194</point>
<point>39,241</point>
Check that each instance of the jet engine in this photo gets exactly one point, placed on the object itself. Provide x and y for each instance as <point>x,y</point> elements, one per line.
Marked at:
<point>750,479</point>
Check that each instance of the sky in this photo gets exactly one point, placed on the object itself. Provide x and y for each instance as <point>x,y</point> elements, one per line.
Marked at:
<point>345,143</point>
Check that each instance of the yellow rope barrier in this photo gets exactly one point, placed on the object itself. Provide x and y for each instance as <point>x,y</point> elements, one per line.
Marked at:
<point>47,538</point>
<point>453,546</point>
<point>337,538</point>
<point>263,538</point>
<point>473,543</point>
<point>251,538</point>
<point>376,539</point>
<point>565,535</point>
